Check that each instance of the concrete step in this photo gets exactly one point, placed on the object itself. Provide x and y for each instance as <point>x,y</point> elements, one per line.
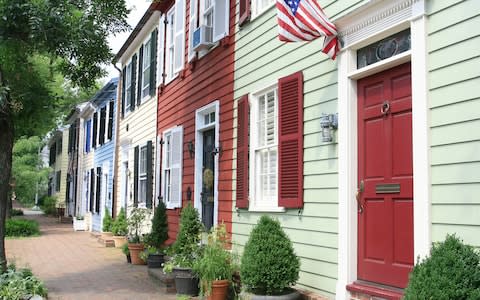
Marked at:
<point>166,282</point>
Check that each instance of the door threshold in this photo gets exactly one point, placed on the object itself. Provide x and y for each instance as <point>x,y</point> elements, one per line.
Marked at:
<point>375,290</point>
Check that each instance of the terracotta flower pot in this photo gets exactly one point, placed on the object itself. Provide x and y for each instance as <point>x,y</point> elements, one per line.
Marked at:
<point>106,235</point>
<point>135,250</point>
<point>219,290</point>
<point>119,240</point>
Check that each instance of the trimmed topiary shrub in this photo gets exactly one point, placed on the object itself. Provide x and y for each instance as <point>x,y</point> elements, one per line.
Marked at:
<point>186,249</point>
<point>20,284</point>
<point>269,264</point>
<point>120,226</point>
<point>107,221</point>
<point>159,233</point>
<point>452,271</point>
<point>21,228</point>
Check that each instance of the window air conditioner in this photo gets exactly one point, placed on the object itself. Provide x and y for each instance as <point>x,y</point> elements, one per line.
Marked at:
<point>202,38</point>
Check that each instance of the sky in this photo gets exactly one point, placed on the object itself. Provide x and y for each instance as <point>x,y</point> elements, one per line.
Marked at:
<point>138,9</point>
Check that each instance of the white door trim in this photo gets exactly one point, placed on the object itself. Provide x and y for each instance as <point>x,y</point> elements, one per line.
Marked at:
<point>200,127</point>
<point>370,24</point>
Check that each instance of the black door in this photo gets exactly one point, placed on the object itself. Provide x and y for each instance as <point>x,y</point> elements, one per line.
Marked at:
<point>208,175</point>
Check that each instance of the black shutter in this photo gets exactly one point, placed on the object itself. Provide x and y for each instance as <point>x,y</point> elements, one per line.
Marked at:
<point>110,119</point>
<point>153,62</point>
<point>135,176</point>
<point>92,188</point>
<point>103,119</point>
<point>95,129</point>
<point>149,195</point>
<point>99,189</point>
<point>124,78</point>
<point>132,84</point>
<point>70,131</point>
<point>140,76</point>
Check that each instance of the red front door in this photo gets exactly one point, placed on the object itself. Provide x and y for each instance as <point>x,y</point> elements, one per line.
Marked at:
<point>385,215</point>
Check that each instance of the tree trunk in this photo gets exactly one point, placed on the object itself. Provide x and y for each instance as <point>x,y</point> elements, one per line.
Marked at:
<point>6,146</point>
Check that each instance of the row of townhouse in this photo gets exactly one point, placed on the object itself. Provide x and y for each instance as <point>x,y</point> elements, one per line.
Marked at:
<point>365,160</point>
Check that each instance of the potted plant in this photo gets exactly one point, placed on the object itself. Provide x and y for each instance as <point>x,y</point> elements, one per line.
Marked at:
<point>269,265</point>
<point>107,225</point>
<point>127,253</point>
<point>155,240</point>
<point>185,251</point>
<point>135,245</point>
<point>120,229</point>
<point>215,265</point>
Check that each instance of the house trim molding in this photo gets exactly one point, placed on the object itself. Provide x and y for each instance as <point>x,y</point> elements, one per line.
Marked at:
<point>364,26</point>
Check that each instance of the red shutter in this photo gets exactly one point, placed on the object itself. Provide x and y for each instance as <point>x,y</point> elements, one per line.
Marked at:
<point>244,12</point>
<point>242,153</point>
<point>290,141</point>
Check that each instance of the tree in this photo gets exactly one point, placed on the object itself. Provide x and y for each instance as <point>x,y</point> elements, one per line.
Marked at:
<point>30,176</point>
<point>38,40</point>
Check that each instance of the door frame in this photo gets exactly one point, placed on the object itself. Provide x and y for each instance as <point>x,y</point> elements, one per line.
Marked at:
<point>367,25</point>
<point>200,127</point>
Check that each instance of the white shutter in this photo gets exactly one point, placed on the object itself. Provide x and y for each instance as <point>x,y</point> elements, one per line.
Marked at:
<point>179,59</point>
<point>220,19</point>
<point>192,27</point>
<point>160,50</point>
<point>176,167</point>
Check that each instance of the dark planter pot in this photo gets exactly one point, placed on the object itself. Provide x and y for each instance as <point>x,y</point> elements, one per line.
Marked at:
<point>293,295</point>
<point>129,258</point>
<point>155,260</point>
<point>185,282</point>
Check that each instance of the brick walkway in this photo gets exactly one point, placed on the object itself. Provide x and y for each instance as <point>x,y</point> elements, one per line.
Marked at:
<point>74,265</point>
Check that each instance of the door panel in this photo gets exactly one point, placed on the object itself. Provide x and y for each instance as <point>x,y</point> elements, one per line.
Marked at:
<point>208,178</point>
<point>385,225</point>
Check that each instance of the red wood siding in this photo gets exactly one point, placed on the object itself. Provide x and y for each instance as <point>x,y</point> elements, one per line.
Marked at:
<point>208,79</point>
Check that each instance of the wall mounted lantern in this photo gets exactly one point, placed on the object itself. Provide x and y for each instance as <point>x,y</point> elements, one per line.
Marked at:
<point>189,193</point>
<point>328,123</point>
<point>191,149</point>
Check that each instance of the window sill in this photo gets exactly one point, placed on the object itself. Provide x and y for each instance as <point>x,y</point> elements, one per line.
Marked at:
<point>266,209</point>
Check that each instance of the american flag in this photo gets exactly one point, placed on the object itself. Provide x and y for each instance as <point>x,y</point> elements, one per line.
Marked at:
<point>304,20</point>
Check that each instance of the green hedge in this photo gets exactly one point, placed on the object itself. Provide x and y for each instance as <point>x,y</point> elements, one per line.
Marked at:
<point>21,228</point>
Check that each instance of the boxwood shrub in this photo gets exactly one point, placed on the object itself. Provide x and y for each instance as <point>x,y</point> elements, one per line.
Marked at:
<point>21,228</point>
<point>269,264</point>
<point>452,271</point>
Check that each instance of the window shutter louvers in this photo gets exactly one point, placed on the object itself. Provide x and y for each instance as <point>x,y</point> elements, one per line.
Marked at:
<point>244,14</point>
<point>149,195</point>
<point>95,129</point>
<point>92,189</point>
<point>221,17</point>
<point>242,153</point>
<point>135,176</point>
<point>103,119</point>
<point>99,189</point>
<point>111,109</point>
<point>179,47</point>
<point>176,167</point>
<point>153,62</point>
<point>192,26</point>
<point>290,141</point>
<point>140,76</point>
<point>133,83</point>
<point>161,47</point>
<point>124,79</point>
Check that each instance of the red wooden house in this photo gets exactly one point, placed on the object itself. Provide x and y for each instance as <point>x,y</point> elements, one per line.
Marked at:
<point>195,109</point>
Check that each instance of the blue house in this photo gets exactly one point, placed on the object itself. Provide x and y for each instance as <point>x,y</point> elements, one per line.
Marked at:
<point>102,141</point>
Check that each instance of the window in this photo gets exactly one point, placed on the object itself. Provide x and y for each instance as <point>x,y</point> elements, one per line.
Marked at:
<point>147,57</point>
<point>208,13</point>
<point>143,175</point>
<point>111,109</point>
<point>215,14</point>
<point>59,147</point>
<point>264,150</point>
<point>88,133</point>
<point>172,167</point>
<point>142,178</point>
<point>58,181</point>
<point>103,119</point>
<point>170,45</point>
<point>259,6</point>
<point>128,87</point>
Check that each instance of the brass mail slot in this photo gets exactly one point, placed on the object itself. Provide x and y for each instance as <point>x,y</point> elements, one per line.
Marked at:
<point>389,188</point>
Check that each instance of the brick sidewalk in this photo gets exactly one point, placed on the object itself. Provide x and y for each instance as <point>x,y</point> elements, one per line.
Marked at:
<point>74,265</point>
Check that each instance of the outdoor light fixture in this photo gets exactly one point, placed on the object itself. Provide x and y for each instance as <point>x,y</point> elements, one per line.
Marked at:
<point>191,149</point>
<point>189,193</point>
<point>328,123</point>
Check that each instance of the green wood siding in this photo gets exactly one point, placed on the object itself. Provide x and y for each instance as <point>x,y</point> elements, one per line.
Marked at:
<point>454,77</point>
<point>260,60</point>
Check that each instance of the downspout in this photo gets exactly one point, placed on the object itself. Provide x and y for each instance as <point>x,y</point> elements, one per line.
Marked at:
<point>115,144</point>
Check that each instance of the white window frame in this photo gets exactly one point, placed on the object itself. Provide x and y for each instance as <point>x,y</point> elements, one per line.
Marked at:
<point>257,202</point>
<point>192,27</point>
<point>168,165</point>
<point>258,10</point>
<point>145,67</point>
<point>128,83</point>
<point>142,174</point>
<point>170,46</point>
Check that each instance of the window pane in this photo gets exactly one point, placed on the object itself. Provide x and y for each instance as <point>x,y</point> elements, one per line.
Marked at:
<point>143,160</point>
<point>142,190</point>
